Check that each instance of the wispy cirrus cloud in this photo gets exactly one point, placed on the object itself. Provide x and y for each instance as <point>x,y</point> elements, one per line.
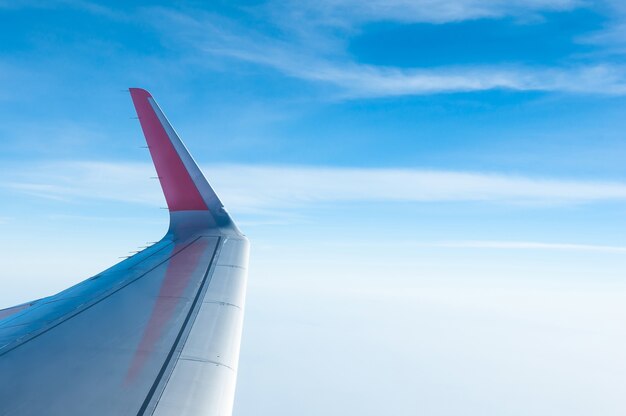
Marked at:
<point>528,245</point>
<point>482,245</point>
<point>72,181</point>
<point>258,188</point>
<point>354,12</point>
<point>84,5</point>
<point>610,39</point>
<point>312,52</point>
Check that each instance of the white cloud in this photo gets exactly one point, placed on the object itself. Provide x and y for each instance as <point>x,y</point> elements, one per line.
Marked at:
<point>283,185</point>
<point>258,188</point>
<point>84,5</point>
<point>128,182</point>
<point>315,54</point>
<point>483,244</point>
<point>370,81</point>
<point>611,38</point>
<point>529,245</point>
<point>344,12</point>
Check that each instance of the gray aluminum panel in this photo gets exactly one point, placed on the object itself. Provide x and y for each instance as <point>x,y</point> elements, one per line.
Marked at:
<point>114,348</point>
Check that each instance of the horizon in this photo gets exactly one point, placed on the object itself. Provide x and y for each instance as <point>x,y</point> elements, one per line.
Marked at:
<point>434,192</point>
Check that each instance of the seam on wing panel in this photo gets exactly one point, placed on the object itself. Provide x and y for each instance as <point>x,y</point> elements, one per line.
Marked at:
<point>7,322</point>
<point>232,266</point>
<point>28,307</point>
<point>159,385</point>
<point>29,337</point>
<point>222,303</point>
<point>205,361</point>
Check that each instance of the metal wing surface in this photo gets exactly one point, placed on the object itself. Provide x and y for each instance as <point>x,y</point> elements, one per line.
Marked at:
<point>158,333</point>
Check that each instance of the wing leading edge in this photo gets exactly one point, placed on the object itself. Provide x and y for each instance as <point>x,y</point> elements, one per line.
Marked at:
<point>157,334</point>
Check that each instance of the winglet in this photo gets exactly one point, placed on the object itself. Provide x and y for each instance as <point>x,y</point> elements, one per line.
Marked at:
<point>184,185</point>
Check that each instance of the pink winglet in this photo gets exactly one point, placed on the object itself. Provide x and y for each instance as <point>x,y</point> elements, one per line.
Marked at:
<point>180,191</point>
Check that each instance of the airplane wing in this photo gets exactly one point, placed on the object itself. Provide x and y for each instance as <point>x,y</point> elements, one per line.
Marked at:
<point>158,333</point>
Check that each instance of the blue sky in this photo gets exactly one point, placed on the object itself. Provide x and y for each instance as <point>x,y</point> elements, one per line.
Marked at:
<point>434,191</point>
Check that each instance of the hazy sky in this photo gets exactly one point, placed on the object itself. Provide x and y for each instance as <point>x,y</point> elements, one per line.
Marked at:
<point>435,191</point>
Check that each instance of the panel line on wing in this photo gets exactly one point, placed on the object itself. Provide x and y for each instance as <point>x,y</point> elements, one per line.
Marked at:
<point>169,364</point>
<point>202,360</point>
<point>21,341</point>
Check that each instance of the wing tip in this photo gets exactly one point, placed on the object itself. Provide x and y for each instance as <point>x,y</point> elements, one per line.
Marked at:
<point>139,93</point>
<point>184,185</point>
<point>180,189</point>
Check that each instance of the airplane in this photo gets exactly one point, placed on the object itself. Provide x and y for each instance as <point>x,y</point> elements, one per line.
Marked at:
<point>158,333</point>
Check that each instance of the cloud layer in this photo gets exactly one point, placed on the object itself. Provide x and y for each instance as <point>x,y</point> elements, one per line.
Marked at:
<point>248,188</point>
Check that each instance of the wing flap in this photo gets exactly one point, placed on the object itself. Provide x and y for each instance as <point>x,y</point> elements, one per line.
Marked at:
<point>204,377</point>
